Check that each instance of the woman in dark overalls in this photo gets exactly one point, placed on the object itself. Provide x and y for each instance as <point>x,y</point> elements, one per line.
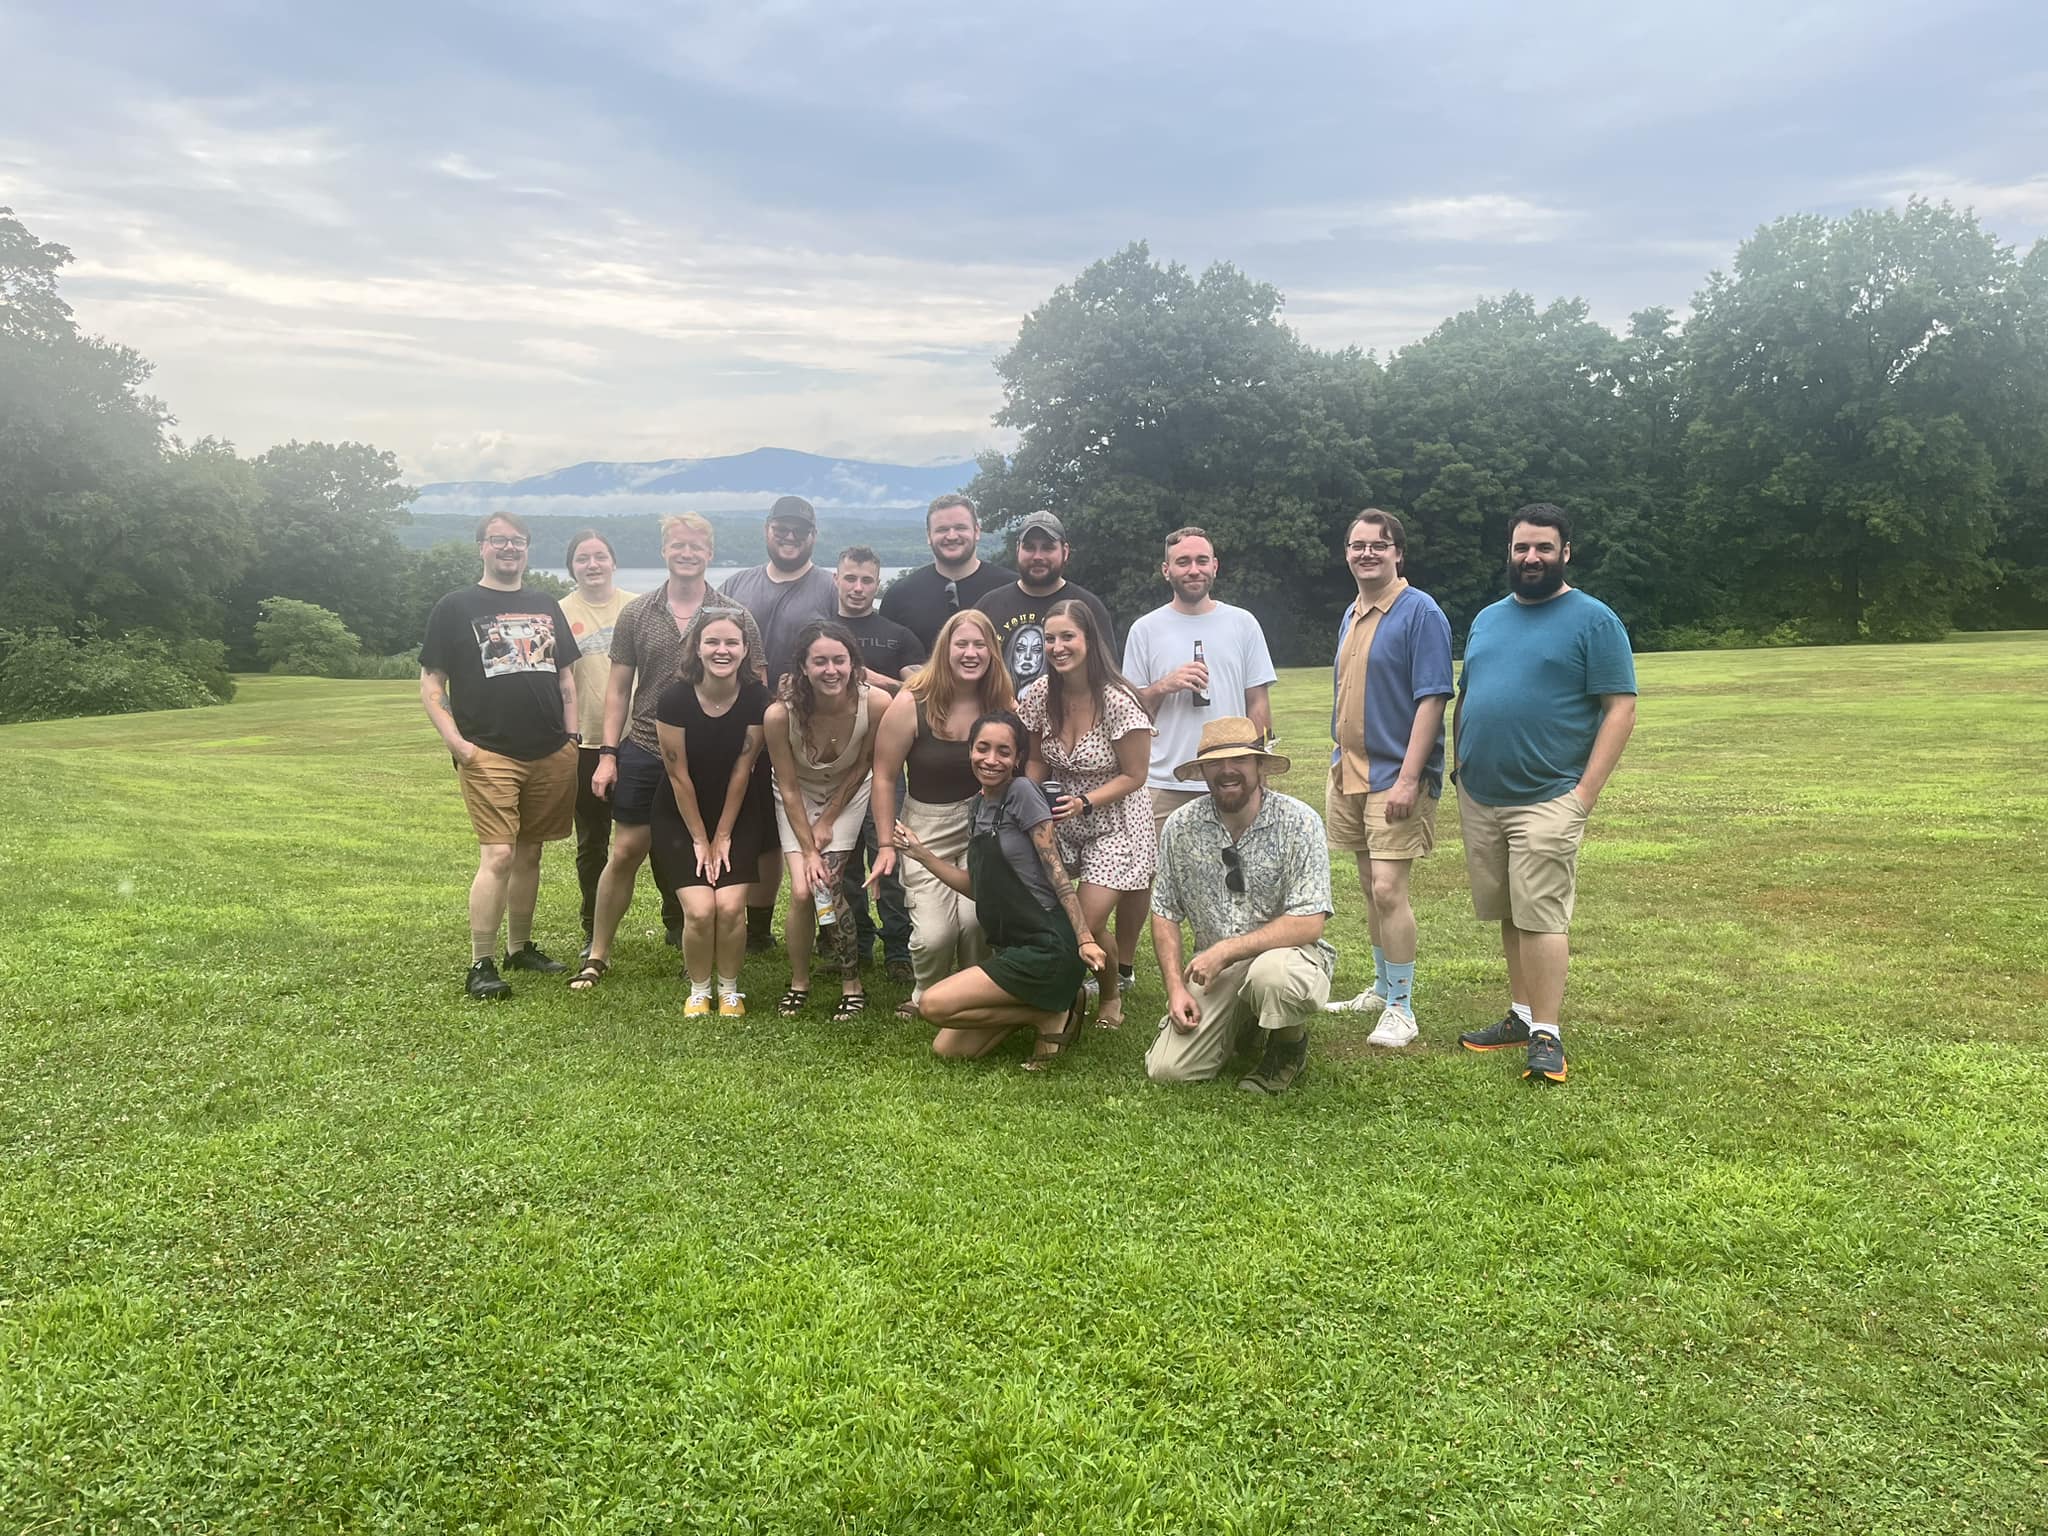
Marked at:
<point>1027,908</point>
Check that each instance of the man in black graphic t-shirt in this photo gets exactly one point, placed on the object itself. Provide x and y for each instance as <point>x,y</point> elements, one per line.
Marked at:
<point>497,681</point>
<point>1018,610</point>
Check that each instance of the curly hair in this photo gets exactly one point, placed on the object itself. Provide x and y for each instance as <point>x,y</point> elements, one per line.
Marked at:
<point>796,691</point>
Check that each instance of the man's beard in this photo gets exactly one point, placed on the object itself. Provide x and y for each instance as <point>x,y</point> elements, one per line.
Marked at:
<point>1546,583</point>
<point>783,562</point>
<point>1232,797</point>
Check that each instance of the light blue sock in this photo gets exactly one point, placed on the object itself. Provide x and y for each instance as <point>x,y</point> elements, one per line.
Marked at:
<point>1379,970</point>
<point>1401,986</point>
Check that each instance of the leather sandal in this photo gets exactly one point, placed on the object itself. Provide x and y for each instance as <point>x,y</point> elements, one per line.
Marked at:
<point>1050,1047</point>
<point>793,1001</point>
<point>589,976</point>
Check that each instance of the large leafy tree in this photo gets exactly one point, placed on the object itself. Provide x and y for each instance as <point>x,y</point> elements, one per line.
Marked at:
<point>1867,400</point>
<point>1147,398</point>
<point>326,533</point>
<point>1507,403</point>
<point>104,523</point>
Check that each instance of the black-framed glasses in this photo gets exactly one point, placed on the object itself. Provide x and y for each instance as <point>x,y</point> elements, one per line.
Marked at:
<point>1233,876</point>
<point>504,541</point>
<point>1372,546</point>
<point>953,595</point>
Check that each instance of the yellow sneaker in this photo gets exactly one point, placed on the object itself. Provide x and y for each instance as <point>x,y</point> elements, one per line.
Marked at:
<point>732,1005</point>
<point>698,1007</point>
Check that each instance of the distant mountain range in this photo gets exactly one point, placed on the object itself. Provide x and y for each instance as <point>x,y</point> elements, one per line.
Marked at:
<point>733,483</point>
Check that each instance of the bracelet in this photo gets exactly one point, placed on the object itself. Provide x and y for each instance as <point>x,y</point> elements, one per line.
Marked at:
<point>607,750</point>
<point>577,737</point>
<point>1086,803</point>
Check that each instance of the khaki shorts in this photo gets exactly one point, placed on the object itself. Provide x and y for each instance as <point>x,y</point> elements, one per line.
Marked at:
<point>511,800</point>
<point>1358,824</point>
<point>1166,801</point>
<point>1523,860</point>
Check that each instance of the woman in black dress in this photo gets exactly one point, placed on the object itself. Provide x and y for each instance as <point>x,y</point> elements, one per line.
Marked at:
<point>708,832</point>
<point>1027,907</point>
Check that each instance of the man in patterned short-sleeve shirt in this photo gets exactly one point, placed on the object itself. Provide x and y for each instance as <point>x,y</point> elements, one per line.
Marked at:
<point>1245,868</point>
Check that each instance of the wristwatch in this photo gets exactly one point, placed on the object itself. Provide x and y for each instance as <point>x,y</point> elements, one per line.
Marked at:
<point>1086,804</point>
<point>577,737</point>
<point>607,750</point>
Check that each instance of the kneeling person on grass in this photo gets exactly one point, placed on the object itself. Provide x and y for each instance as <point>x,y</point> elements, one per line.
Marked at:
<point>1027,908</point>
<point>1246,869</point>
<point>498,682</point>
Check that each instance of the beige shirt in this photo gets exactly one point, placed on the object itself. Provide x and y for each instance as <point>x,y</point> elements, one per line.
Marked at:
<point>1354,773</point>
<point>592,626</point>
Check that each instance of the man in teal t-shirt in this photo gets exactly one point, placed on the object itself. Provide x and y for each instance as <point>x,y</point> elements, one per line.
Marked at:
<point>1545,705</point>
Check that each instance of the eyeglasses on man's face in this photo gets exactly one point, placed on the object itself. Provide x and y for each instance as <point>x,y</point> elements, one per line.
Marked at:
<point>1371,546</point>
<point>1233,878</point>
<point>505,541</point>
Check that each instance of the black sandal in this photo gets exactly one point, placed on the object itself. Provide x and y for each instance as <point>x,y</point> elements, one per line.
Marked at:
<point>591,974</point>
<point>851,1006</point>
<point>793,1001</point>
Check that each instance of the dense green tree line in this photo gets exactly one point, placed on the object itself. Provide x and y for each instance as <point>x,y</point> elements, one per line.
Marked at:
<point>1847,439</point>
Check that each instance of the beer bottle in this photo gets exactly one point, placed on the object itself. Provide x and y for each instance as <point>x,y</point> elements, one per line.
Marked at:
<point>1201,694</point>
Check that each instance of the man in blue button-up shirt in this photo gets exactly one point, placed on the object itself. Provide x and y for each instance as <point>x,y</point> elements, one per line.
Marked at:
<point>1391,680</point>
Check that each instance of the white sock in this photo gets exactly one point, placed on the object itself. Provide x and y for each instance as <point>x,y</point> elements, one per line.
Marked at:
<point>729,985</point>
<point>700,989</point>
<point>1521,1011</point>
<point>1547,1029</point>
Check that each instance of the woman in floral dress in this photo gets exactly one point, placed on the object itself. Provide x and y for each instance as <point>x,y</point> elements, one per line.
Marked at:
<point>1092,738</point>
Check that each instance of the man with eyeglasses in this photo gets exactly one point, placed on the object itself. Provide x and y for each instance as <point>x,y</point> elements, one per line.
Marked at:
<point>498,683</point>
<point>1391,679</point>
<point>1245,868</point>
<point>923,599</point>
<point>787,591</point>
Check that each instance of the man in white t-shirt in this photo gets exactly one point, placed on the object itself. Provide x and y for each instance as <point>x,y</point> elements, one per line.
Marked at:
<point>1184,691</point>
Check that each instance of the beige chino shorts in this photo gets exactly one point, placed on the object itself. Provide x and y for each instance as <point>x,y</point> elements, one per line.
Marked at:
<point>1523,861</point>
<point>1358,824</point>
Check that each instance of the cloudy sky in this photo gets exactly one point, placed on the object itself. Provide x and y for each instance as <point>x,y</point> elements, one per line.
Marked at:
<point>500,239</point>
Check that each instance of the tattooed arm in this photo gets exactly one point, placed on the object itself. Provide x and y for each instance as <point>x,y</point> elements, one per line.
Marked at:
<point>1063,889</point>
<point>434,698</point>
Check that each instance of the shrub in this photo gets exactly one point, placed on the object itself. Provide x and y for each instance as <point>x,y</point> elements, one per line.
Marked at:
<point>404,666</point>
<point>45,676</point>
<point>305,640</point>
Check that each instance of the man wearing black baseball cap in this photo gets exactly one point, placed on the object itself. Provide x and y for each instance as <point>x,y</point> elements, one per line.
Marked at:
<point>783,595</point>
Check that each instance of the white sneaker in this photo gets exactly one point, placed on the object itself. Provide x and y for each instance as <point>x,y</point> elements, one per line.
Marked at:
<point>1395,1029</point>
<point>1367,1002</point>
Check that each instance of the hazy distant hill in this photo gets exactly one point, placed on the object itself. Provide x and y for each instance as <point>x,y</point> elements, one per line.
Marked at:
<point>734,483</point>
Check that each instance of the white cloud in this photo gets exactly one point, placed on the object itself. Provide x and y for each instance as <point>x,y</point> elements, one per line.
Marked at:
<point>1492,217</point>
<point>2012,208</point>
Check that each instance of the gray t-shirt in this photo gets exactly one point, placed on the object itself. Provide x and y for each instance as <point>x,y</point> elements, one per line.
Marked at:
<point>1012,819</point>
<point>782,609</point>
<point>1234,649</point>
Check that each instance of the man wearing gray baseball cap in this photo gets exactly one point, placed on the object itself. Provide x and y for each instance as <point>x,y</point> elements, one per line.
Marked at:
<point>1017,610</point>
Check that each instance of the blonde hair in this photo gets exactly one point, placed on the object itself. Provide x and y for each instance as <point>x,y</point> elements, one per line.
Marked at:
<point>691,522</point>
<point>933,684</point>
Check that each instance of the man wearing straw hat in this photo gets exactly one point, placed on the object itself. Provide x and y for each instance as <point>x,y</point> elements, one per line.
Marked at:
<point>1247,870</point>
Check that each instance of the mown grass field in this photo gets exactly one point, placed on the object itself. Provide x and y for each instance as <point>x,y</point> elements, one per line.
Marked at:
<point>293,1236</point>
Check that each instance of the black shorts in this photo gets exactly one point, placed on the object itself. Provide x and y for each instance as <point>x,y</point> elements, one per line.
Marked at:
<point>640,777</point>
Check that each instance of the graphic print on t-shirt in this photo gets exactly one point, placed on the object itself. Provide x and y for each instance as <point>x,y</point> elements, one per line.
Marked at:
<point>1024,652</point>
<point>515,642</point>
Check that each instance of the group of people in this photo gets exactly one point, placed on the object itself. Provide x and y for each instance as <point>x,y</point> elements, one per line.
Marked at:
<point>1021,806</point>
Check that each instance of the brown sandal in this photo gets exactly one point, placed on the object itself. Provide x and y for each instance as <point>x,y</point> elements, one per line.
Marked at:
<point>591,974</point>
<point>1050,1047</point>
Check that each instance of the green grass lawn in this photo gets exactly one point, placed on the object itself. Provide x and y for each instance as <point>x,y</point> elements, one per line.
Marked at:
<point>292,1235</point>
